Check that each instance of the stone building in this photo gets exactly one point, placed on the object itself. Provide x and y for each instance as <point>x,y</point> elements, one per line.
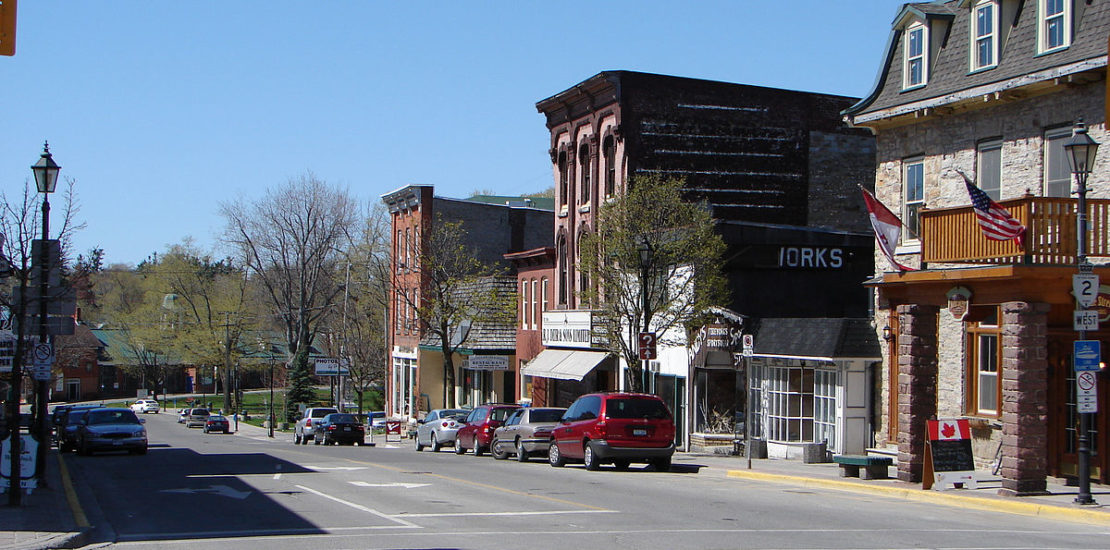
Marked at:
<point>779,170</point>
<point>988,91</point>
<point>494,226</point>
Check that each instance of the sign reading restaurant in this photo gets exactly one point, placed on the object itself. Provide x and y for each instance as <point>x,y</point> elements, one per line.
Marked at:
<point>488,362</point>
<point>567,329</point>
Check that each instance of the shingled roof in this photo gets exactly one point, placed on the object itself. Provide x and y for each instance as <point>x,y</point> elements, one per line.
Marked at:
<point>816,338</point>
<point>489,335</point>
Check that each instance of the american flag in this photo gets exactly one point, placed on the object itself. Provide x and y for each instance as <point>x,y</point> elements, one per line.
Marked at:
<point>995,222</point>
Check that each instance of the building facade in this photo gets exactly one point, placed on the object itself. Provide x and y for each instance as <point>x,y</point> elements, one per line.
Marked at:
<point>986,93</point>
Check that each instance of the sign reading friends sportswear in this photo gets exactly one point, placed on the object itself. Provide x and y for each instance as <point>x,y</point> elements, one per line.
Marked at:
<point>567,329</point>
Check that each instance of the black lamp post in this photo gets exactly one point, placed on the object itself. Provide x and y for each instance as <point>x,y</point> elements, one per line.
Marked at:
<point>646,254</point>
<point>46,179</point>
<point>266,348</point>
<point>1081,150</point>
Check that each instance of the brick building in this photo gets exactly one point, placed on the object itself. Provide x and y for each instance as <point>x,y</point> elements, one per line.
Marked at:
<point>988,90</point>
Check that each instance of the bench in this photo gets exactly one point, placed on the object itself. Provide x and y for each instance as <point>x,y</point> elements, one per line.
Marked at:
<point>874,467</point>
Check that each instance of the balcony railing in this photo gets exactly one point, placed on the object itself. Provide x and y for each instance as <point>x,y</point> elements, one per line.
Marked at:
<point>952,235</point>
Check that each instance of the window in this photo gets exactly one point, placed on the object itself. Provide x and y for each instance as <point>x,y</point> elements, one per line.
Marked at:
<point>984,38</point>
<point>916,67</point>
<point>543,295</point>
<point>564,270</point>
<point>408,250</point>
<point>524,305</point>
<point>985,362</point>
<point>535,308</point>
<point>1054,25</point>
<point>584,165</point>
<point>824,407</point>
<point>1057,171</point>
<point>913,198</point>
<point>789,404</point>
<point>989,171</point>
<point>610,148</point>
<point>563,178</point>
<point>399,250</point>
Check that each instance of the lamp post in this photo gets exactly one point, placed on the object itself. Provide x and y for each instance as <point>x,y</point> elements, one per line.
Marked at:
<point>46,179</point>
<point>266,347</point>
<point>1081,150</point>
<point>646,253</point>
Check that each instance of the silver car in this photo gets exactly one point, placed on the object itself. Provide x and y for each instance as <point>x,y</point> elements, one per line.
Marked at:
<point>525,433</point>
<point>111,429</point>
<point>439,427</point>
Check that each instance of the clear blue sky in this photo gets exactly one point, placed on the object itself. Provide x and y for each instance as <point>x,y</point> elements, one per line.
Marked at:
<point>161,110</point>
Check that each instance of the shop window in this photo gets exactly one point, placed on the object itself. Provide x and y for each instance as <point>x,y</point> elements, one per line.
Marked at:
<point>985,365</point>
<point>790,404</point>
<point>913,198</point>
<point>984,35</point>
<point>1057,171</point>
<point>824,407</point>
<point>989,172</point>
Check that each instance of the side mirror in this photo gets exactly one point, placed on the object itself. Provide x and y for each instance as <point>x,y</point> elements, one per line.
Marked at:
<point>142,421</point>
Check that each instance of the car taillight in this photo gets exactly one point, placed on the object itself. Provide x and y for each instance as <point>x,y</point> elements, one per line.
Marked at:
<point>445,424</point>
<point>331,428</point>
<point>542,433</point>
<point>602,429</point>
<point>308,422</point>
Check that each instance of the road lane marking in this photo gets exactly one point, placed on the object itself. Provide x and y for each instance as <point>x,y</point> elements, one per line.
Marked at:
<point>405,485</point>
<point>359,507</point>
<point>323,468</point>
<point>490,487</point>
<point>495,514</point>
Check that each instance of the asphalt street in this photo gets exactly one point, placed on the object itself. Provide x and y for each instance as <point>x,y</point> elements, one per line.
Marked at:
<point>248,491</point>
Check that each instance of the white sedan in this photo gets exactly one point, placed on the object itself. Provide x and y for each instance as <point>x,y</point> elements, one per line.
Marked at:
<point>145,406</point>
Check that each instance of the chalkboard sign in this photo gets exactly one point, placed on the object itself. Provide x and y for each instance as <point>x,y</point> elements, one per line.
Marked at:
<point>948,456</point>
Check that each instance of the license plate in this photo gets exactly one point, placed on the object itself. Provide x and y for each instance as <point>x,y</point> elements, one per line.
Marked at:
<point>346,428</point>
<point>117,443</point>
<point>639,432</point>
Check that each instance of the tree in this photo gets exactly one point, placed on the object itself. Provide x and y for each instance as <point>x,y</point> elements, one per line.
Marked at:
<point>292,242</point>
<point>456,291</point>
<point>680,280</point>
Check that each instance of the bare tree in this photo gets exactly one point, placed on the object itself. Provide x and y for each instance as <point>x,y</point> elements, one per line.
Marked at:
<point>292,241</point>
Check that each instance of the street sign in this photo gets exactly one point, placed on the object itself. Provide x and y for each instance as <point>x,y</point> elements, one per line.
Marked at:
<point>1085,288</point>
<point>1086,354</point>
<point>1085,319</point>
<point>1086,392</point>
<point>647,346</point>
<point>749,345</point>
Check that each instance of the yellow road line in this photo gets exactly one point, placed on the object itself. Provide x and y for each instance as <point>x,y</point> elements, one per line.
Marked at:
<point>71,495</point>
<point>487,486</point>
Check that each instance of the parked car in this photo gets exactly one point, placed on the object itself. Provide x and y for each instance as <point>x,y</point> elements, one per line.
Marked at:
<point>183,415</point>
<point>526,432</point>
<point>111,429</point>
<point>217,423</point>
<point>146,406</point>
<point>66,430</point>
<point>339,428</point>
<point>197,418</point>
<point>438,428</point>
<point>615,427</point>
<point>304,429</point>
<point>477,431</point>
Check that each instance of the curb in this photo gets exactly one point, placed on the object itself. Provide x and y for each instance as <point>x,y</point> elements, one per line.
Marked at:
<point>1001,504</point>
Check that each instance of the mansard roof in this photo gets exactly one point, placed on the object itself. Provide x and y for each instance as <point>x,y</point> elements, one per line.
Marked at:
<point>950,78</point>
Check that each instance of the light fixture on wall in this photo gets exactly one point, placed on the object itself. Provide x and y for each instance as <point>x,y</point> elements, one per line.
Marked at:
<point>888,334</point>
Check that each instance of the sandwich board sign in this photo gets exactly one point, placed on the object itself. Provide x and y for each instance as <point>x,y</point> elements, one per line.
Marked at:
<point>948,456</point>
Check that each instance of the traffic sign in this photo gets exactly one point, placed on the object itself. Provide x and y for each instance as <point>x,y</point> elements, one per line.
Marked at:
<point>1086,392</point>
<point>749,345</point>
<point>1085,288</point>
<point>1085,319</point>
<point>647,346</point>
<point>1086,355</point>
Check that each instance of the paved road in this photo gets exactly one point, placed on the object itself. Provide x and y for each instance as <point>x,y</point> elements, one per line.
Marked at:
<point>246,491</point>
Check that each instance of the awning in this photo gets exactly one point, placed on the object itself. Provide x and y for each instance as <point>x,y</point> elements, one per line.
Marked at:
<point>563,364</point>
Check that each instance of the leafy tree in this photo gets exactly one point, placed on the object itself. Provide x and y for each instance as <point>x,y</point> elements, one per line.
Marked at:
<point>300,383</point>
<point>681,279</point>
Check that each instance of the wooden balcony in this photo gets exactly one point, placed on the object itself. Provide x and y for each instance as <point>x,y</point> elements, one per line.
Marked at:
<point>952,235</point>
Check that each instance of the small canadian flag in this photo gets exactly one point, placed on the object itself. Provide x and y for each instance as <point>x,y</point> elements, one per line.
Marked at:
<point>949,430</point>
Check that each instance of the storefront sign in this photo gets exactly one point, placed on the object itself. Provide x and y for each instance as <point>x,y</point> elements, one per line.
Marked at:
<point>568,329</point>
<point>329,366</point>
<point>948,456</point>
<point>488,362</point>
<point>958,300</point>
<point>811,257</point>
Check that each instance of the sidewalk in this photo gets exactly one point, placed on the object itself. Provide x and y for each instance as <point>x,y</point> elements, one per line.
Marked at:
<point>1058,504</point>
<point>45,518</point>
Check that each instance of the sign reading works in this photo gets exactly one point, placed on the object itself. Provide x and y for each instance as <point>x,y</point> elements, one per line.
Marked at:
<point>567,329</point>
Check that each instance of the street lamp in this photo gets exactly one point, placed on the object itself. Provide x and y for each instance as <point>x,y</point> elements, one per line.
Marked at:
<point>646,253</point>
<point>1081,150</point>
<point>46,179</point>
<point>266,348</point>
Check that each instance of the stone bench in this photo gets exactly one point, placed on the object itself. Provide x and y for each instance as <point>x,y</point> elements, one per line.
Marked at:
<point>874,467</point>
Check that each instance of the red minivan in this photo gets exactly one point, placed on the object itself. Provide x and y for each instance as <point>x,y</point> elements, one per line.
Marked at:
<point>615,427</point>
<point>477,432</point>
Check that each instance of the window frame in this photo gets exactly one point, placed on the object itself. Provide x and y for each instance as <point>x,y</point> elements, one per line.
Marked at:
<point>987,146</point>
<point>563,166</point>
<point>609,152</point>
<point>584,172</point>
<point>978,333</point>
<point>533,305</point>
<point>1044,20</point>
<point>524,309</point>
<point>908,57</point>
<point>911,219</point>
<point>1051,136</point>
<point>991,36</point>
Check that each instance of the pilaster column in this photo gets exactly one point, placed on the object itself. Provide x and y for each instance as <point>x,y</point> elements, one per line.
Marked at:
<point>917,385</point>
<point>1024,398</point>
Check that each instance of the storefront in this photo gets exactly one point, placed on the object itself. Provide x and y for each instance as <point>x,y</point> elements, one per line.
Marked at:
<point>571,364</point>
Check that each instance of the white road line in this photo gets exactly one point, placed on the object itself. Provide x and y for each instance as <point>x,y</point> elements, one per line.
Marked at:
<point>359,507</point>
<point>493,514</point>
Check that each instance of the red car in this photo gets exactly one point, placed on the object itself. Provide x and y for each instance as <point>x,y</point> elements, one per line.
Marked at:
<point>615,427</point>
<point>477,430</point>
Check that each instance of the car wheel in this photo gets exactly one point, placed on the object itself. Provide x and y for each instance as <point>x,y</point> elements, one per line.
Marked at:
<point>304,439</point>
<point>589,457</point>
<point>478,450</point>
<point>621,464</point>
<point>296,439</point>
<point>521,454</point>
<point>459,449</point>
<point>315,440</point>
<point>496,450</point>
<point>227,431</point>
<point>436,446</point>
<point>419,445</point>
<point>661,464</point>
<point>554,457</point>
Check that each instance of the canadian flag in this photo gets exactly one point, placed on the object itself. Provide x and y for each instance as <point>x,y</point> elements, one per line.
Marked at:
<point>949,430</point>
<point>887,226</point>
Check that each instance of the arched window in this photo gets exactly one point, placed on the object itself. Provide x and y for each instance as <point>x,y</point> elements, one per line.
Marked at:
<point>584,165</point>
<point>609,148</point>
<point>564,271</point>
<point>563,178</point>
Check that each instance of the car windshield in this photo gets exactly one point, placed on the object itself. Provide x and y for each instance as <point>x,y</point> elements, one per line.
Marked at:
<point>320,413</point>
<point>216,418</point>
<point>546,415</point>
<point>75,415</point>
<point>121,416</point>
<point>342,419</point>
<point>636,408</point>
<point>200,412</point>
<point>500,415</point>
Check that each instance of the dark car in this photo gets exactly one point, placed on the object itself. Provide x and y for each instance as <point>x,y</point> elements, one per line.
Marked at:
<point>66,428</point>
<point>477,432</point>
<point>341,428</point>
<point>526,432</point>
<point>111,429</point>
<point>615,427</point>
<point>217,423</point>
